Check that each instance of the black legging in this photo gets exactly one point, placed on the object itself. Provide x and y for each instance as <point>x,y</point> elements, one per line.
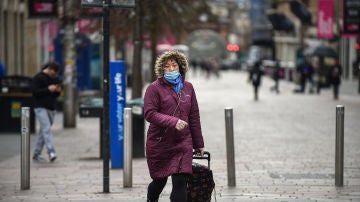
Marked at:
<point>178,192</point>
<point>256,91</point>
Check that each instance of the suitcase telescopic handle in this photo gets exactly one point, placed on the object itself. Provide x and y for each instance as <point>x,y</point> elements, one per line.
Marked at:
<point>206,156</point>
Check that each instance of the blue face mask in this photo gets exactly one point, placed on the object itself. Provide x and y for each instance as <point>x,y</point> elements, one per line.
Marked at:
<point>172,75</point>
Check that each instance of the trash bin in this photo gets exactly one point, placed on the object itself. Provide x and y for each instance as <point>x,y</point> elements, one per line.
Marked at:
<point>93,107</point>
<point>15,92</point>
<point>138,123</point>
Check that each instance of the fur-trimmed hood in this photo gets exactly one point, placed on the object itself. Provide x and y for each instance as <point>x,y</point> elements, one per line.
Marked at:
<point>179,57</point>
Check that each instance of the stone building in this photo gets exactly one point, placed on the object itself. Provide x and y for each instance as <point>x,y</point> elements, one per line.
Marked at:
<point>19,39</point>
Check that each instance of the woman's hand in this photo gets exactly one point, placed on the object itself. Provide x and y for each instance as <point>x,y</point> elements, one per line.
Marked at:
<point>199,151</point>
<point>180,125</point>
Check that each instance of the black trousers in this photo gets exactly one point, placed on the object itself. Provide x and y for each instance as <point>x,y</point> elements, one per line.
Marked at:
<point>256,91</point>
<point>336,91</point>
<point>178,192</point>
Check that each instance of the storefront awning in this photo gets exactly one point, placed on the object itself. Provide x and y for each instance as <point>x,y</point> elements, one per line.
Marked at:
<point>262,37</point>
<point>280,22</point>
<point>300,11</point>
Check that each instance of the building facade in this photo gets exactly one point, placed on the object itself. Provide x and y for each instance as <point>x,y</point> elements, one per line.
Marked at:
<point>19,39</point>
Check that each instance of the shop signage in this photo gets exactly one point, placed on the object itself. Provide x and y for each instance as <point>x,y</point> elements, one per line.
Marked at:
<point>325,19</point>
<point>43,8</point>
<point>351,18</point>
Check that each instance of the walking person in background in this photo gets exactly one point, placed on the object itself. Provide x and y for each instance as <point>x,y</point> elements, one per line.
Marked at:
<point>335,78</point>
<point>255,75</point>
<point>207,66</point>
<point>306,74</point>
<point>276,77</point>
<point>46,88</point>
<point>215,67</point>
<point>2,70</point>
<point>194,65</point>
<point>170,106</point>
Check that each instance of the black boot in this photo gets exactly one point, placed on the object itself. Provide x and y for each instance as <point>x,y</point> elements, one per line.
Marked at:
<point>149,200</point>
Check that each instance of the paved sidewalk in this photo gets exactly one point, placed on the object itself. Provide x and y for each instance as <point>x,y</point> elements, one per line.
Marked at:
<point>284,148</point>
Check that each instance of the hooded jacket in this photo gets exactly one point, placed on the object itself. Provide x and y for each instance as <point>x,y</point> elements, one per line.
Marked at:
<point>169,151</point>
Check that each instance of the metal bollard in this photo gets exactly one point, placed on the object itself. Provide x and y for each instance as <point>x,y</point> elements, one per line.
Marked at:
<point>339,147</point>
<point>25,148</point>
<point>230,151</point>
<point>128,150</point>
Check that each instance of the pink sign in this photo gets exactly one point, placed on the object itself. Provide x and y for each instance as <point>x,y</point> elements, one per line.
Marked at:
<point>325,19</point>
<point>43,7</point>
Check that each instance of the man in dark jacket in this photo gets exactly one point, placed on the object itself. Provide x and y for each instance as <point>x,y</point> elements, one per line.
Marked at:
<point>46,88</point>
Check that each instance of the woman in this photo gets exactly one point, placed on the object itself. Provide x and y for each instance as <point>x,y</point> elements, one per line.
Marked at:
<point>170,106</point>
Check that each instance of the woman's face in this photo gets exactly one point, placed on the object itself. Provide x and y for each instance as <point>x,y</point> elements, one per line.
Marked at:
<point>171,65</point>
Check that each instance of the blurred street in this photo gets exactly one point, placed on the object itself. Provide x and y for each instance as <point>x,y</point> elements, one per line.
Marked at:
<point>284,149</point>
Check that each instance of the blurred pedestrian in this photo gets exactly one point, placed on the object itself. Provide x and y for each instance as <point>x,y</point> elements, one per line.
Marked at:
<point>356,66</point>
<point>2,70</point>
<point>255,74</point>
<point>335,78</point>
<point>208,67</point>
<point>276,76</point>
<point>306,71</point>
<point>46,88</point>
<point>170,106</point>
<point>214,67</point>
<point>194,66</point>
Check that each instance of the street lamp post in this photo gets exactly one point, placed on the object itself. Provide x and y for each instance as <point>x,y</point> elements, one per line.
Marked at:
<point>106,118</point>
<point>106,5</point>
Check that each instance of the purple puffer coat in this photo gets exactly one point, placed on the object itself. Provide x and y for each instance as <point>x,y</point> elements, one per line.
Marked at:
<point>169,151</point>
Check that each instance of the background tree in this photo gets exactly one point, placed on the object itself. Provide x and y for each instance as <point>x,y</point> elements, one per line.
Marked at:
<point>176,15</point>
<point>150,18</point>
<point>137,83</point>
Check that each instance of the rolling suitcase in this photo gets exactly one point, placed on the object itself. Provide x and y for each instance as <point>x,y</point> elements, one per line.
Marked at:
<point>201,183</point>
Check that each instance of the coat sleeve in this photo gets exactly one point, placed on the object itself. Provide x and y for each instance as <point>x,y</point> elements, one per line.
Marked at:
<point>41,89</point>
<point>194,123</point>
<point>57,81</point>
<point>152,107</point>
